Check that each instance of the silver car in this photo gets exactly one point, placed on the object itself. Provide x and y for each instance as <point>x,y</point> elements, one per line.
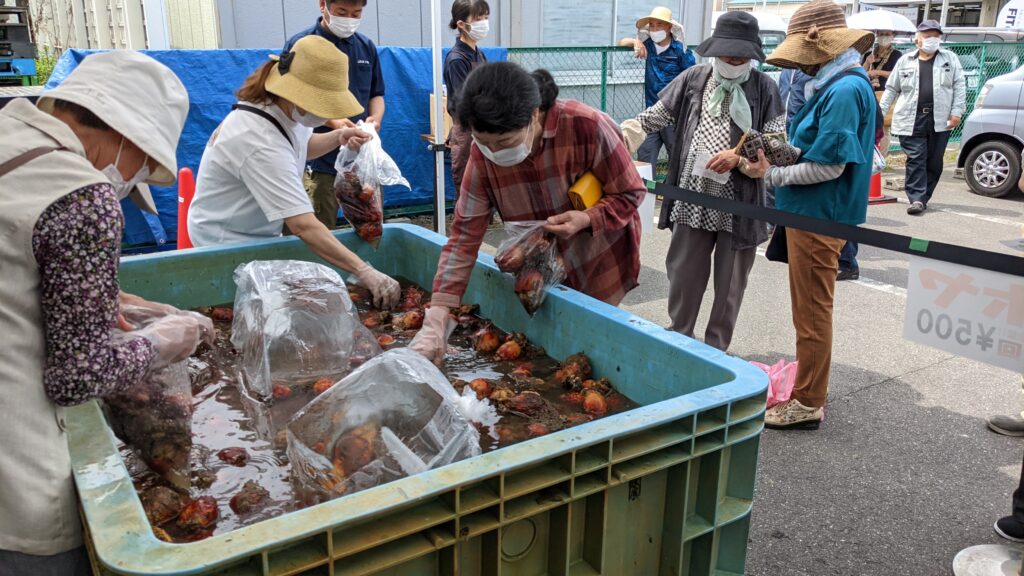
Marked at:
<point>993,137</point>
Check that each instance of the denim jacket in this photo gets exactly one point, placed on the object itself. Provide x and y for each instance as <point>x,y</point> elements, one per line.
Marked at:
<point>950,91</point>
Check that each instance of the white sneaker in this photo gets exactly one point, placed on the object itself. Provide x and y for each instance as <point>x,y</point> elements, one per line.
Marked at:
<point>793,414</point>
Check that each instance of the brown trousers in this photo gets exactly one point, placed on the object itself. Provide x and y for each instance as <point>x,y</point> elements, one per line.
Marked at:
<point>320,188</point>
<point>813,265</point>
<point>460,140</point>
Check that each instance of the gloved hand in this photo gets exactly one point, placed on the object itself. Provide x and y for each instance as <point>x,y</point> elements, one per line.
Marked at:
<point>384,288</point>
<point>633,133</point>
<point>140,309</point>
<point>173,337</point>
<point>432,339</point>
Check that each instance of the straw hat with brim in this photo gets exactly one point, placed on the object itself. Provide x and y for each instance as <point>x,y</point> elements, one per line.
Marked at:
<point>817,34</point>
<point>138,97</point>
<point>661,14</point>
<point>736,35</point>
<point>313,75</point>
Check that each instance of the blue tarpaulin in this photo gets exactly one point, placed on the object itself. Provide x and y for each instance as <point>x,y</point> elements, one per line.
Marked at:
<point>213,76</point>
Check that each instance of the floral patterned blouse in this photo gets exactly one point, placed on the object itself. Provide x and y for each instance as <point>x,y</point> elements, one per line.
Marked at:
<point>77,245</point>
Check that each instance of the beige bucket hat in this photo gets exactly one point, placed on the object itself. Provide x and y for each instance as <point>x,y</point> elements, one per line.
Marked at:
<point>662,14</point>
<point>313,75</point>
<point>817,34</point>
<point>137,96</point>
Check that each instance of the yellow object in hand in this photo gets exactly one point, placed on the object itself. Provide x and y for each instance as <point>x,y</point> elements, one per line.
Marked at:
<point>586,192</point>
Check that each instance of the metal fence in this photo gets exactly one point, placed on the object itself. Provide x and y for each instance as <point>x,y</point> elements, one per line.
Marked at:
<point>612,79</point>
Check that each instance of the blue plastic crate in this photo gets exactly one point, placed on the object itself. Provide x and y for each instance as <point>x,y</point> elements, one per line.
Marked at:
<point>666,488</point>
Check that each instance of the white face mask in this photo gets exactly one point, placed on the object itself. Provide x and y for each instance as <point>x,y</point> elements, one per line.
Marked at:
<point>728,71</point>
<point>121,186</point>
<point>308,119</point>
<point>885,41</point>
<point>659,36</point>
<point>931,45</point>
<point>478,30</point>
<point>342,27</point>
<point>509,156</point>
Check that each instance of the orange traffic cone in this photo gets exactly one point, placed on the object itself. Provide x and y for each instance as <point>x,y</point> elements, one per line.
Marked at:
<point>875,195</point>
<point>186,190</point>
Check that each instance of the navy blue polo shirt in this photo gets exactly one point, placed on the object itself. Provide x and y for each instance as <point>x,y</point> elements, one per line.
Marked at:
<point>365,80</point>
<point>663,68</point>
<point>460,61</point>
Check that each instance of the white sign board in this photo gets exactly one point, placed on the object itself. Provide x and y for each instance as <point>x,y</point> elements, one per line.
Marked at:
<point>1012,15</point>
<point>966,311</point>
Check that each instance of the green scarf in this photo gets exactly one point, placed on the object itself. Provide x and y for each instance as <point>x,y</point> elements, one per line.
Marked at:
<point>739,108</point>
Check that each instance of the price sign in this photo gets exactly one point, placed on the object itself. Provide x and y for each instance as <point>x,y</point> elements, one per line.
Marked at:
<point>966,311</point>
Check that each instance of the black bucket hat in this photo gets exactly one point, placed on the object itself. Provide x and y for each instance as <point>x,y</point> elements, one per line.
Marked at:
<point>736,35</point>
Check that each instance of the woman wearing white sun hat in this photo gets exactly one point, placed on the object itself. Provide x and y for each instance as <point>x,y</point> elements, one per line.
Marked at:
<point>249,184</point>
<point>112,124</point>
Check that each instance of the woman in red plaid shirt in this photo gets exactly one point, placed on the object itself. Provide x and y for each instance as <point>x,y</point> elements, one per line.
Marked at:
<point>529,148</point>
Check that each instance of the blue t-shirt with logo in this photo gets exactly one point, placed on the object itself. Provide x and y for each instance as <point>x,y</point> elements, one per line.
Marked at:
<point>365,80</point>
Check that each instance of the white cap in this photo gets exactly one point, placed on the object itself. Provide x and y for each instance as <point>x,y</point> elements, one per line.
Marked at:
<point>138,97</point>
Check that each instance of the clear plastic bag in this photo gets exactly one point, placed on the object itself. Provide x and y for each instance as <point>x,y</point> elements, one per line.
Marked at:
<point>362,174</point>
<point>395,416</point>
<point>154,416</point>
<point>531,255</point>
<point>294,323</point>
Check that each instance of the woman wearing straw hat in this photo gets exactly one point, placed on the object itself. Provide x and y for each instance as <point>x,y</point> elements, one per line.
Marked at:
<point>836,132</point>
<point>249,184</point>
<point>112,124</point>
<point>713,106</point>
<point>659,41</point>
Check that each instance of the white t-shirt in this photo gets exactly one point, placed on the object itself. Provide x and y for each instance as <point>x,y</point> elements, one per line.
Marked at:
<point>250,179</point>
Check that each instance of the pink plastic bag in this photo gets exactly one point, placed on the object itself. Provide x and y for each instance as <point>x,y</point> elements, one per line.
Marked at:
<point>781,378</point>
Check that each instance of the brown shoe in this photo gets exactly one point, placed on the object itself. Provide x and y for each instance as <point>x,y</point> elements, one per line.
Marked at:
<point>792,414</point>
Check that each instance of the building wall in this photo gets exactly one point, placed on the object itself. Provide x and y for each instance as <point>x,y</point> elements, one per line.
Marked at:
<point>96,24</point>
<point>268,23</point>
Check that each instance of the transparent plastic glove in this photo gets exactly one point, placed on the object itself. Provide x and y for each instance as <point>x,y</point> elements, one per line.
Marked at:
<point>384,288</point>
<point>633,134</point>
<point>174,337</point>
<point>432,340</point>
<point>139,306</point>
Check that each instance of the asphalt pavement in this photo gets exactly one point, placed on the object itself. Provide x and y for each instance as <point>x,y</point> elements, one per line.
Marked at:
<point>904,472</point>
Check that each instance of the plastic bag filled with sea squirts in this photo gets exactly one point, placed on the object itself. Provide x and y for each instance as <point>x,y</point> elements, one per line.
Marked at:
<point>531,254</point>
<point>154,416</point>
<point>395,416</point>
<point>359,185</point>
<point>294,323</point>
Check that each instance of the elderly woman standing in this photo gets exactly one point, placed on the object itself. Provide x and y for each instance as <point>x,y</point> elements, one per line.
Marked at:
<point>64,166</point>
<point>835,130</point>
<point>713,106</point>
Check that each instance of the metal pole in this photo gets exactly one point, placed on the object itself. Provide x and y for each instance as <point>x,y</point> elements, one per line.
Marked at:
<point>927,9</point>
<point>856,7</point>
<point>942,16</point>
<point>438,147</point>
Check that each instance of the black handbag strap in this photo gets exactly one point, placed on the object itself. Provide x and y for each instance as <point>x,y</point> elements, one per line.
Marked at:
<point>266,115</point>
